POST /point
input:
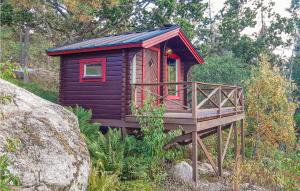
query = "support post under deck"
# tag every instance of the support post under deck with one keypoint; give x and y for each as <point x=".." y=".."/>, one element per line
<point x="219" y="148"/>
<point x="242" y="140"/>
<point x="195" y="156"/>
<point x="235" y="139"/>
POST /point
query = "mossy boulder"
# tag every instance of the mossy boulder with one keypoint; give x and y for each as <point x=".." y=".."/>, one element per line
<point x="43" y="141"/>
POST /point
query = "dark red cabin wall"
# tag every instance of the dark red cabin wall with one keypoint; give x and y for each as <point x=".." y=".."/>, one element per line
<point x="103" y="98"/>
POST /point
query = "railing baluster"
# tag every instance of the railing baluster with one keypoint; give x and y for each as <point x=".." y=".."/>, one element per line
<point x="236" y="99"/>
<point x="220" y="100"/>
<point x="194" y="101"/>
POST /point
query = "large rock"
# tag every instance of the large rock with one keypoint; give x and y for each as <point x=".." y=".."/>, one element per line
<point x="43" y="141"/>
<point x="184" y="171"/>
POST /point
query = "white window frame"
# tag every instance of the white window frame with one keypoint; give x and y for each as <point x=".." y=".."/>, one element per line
<point x="86" y="75"/>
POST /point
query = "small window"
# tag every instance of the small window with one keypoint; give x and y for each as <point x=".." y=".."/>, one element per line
<point x="93" y="70"/>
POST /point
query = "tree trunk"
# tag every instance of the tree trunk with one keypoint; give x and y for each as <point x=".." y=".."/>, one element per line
<point x="24" y="40"/>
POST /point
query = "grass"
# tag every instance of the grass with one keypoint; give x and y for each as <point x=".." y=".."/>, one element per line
<point x="37" y="89"/>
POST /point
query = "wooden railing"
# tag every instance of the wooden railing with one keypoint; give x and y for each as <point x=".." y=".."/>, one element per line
<point x="192" y="97"/>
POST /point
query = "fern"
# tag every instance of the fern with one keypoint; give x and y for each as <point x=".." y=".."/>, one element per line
<point x="100" y="180"/>
<point x="88" y="129"/>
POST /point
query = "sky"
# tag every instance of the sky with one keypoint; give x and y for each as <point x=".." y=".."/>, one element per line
<point x="280" y="7"/>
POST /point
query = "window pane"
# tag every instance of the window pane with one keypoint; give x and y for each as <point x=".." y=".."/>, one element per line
<point x="93" y="70"/>
<point x="172" y="76"/>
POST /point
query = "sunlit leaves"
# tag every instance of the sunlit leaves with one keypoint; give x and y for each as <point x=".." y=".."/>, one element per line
<point x="269" y="108"/>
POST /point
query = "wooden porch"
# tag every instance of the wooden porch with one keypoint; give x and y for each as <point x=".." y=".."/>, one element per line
<point x="199" y="110"/>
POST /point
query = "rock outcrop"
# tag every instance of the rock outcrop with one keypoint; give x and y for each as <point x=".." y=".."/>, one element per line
<point x="43" y="141"/>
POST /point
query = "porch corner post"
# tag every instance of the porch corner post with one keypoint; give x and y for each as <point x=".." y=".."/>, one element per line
<point x="236" y="149"/>
<point x="242" y="140"/>
<point x="194" y="101"/>
<point x="219" y="148"/>
<point x="195" y="156"/>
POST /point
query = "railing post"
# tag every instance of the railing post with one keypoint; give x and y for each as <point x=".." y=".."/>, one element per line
<point x="194" y="101"/>
<point x="220" y="100"/>
<point x="134" y="94"/>
<point x="236" y="100"/>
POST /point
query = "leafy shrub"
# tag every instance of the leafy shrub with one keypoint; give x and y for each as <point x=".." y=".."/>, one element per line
<point x="279" y="171"/>
<point x="100" y="180"/>
<point x="88" y="129"/>
<point x="109" y="149"/>
<point x="150" y="118"/>
<point x="138" y="185"/>
<point x="7" y="70"/>
<point x="7" y="179"/>
<point x="270" y="112"/>
<point x="135" y="161"/>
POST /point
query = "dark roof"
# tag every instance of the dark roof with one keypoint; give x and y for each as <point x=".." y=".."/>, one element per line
<point x="115" y="40"/>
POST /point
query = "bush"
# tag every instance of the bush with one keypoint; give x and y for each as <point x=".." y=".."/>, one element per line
<point x="138" y="185"/>
<point x="281" y="171"/>
<point x="7" y="70"/>
<point x="99" y="180"/>
<point x="7" y="179"/>
<point x="135" y="162"/>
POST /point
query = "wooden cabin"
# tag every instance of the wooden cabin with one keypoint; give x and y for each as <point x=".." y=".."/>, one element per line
<point x="110" y="73"/>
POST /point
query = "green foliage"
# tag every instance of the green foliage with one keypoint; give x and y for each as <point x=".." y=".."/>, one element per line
<point x="235" y="17"/>
<point x="221" y="69"/>
<point x="12" y="145"/>
<point x="109" y="149"/>
<point x="136" y="162"/>
<point x="138" y="185"/>
<point x="150" y="118"/>
<point x="6" y="98"/>
<point x="102" y="181"/>
<point x="7" y="179"/>
<point x="270" y="113"/>
<point x="88" y="129"/>
<point x="281" y="170"/>
<point x="7" y="70"/>
<point x="37" y="89"/>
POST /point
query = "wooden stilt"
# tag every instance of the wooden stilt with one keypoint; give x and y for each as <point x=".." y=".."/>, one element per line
<point x="208" y="156"/>
<point x="242" y="140"/>
<point x="227" y="142"/>
<point x="219" y="148"/>
<point x="195" y="156"/>
<point x="235" y="140"/>
<point x="124" y="132"/>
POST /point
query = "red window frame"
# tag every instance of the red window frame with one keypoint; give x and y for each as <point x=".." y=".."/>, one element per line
<point x="101" y="61"/>
<point x="178" y="60"/>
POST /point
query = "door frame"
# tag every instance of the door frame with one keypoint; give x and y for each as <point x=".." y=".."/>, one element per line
<point x="156" y="49"/>
<point x="178" y="74"/>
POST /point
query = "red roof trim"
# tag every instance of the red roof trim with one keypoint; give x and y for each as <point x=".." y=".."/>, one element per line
<point x="191" y="47"/>
<point x="94" y="49"/>
<point x="160" y="38"/>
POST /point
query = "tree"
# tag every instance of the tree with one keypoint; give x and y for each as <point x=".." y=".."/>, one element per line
<point x="269" y="111"/>
<point x="234" y="17"/>
<point x="221" y="69"/>
<point x="189" y="14"/>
